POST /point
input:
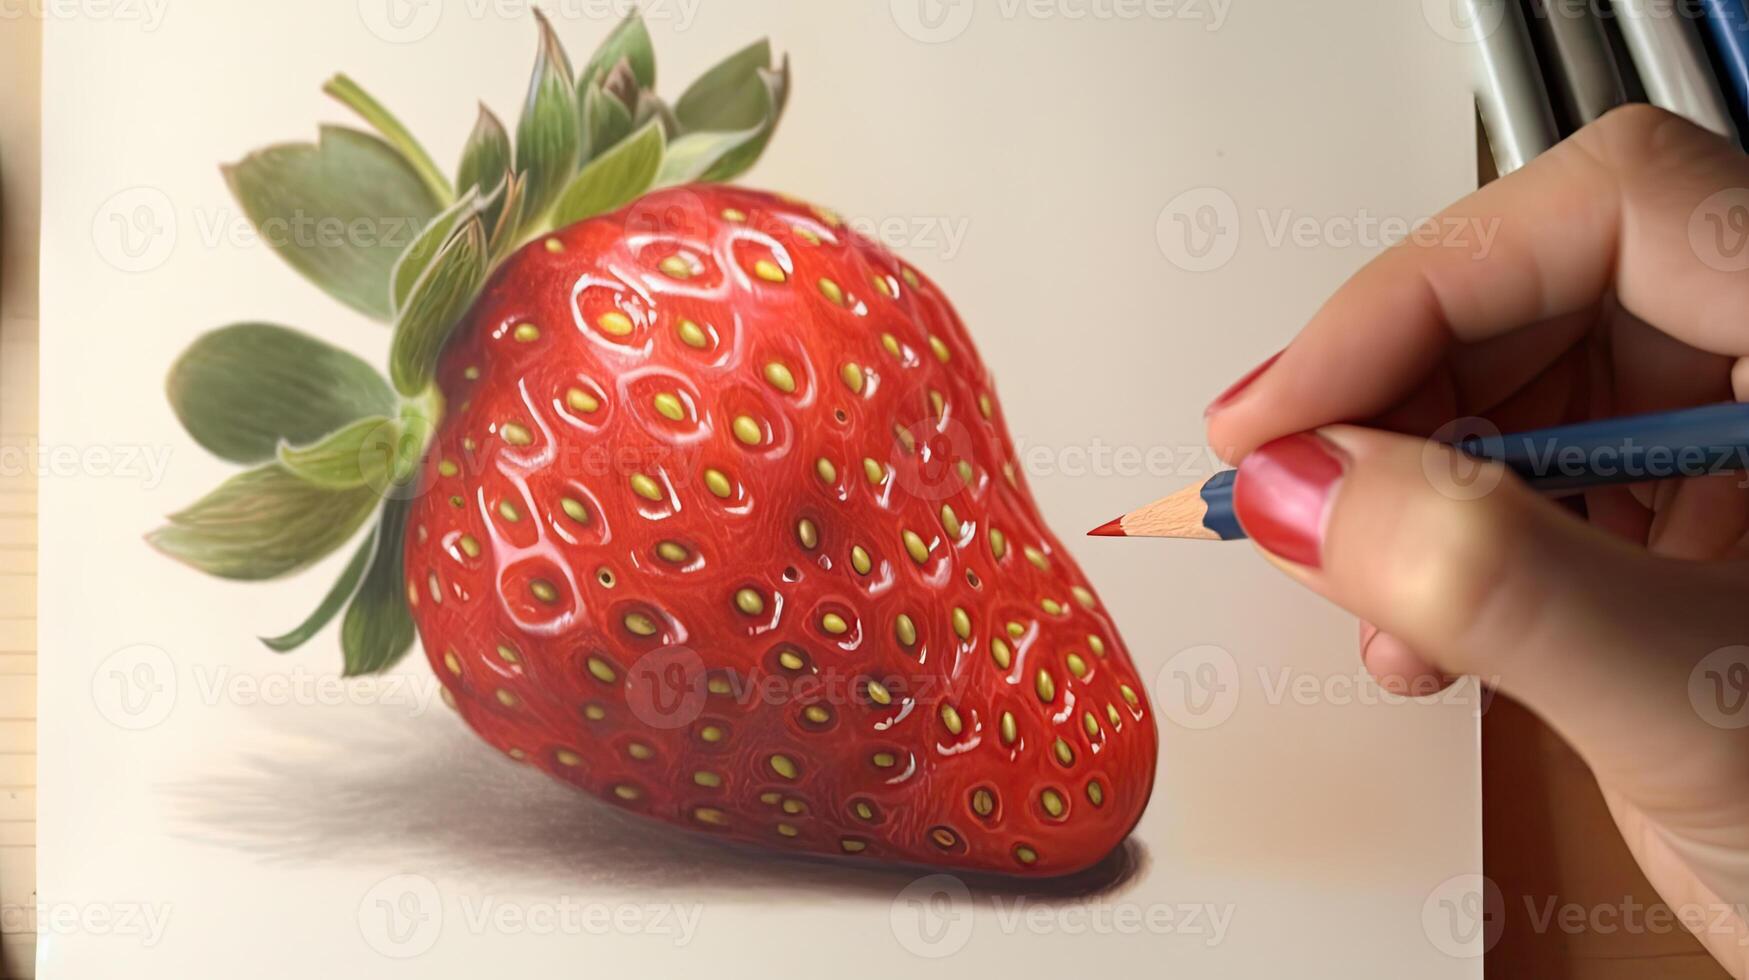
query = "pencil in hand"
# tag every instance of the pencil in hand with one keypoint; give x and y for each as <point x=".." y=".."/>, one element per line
<point x="1660" y="446"/>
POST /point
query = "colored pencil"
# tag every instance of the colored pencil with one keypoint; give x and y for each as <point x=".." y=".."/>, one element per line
<point x="1673" y="64"/>
<point x="1604" y="452"/>
<point x="1515" y="109"/>
<point x="1584" y="79"/>
<point x="1727" y="23"/>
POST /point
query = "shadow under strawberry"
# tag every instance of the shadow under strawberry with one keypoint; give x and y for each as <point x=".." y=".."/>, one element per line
<point x="375" y="787"/>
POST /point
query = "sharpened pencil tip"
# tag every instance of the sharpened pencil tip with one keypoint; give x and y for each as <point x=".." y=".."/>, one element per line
<point x="1110" y="529"/>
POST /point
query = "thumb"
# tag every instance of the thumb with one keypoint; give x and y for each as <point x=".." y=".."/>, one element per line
<point x="1483" y="576"/>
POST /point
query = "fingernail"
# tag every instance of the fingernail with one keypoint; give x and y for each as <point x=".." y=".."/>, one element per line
<point x="1283" y="494"/>
<point x="1231" y="394"/>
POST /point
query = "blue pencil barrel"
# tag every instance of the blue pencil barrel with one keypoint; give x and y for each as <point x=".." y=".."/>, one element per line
<point x="1688" y="443"/>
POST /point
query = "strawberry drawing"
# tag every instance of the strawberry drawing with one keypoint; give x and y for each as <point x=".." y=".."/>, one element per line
<point x="696" y="498"/>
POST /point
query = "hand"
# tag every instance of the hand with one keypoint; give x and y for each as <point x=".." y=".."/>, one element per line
<point x="1595" y="299"/>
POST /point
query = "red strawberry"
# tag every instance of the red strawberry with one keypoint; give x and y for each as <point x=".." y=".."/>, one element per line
<point x="722" y="524"/>
<point x="718" y="518"/>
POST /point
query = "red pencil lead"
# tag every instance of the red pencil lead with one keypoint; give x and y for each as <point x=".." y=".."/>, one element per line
<point x="1110" y="529"/>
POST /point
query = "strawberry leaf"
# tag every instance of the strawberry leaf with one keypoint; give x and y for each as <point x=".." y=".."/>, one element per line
<point x="615" y="178"/>
<point x="630" y="41"/>
<point x="504" y="234"/>
<point x="378" y="628"/>
<point x="351" y="95"/>
<point x="340" y="211"/>
<point x="485" y="158"/>
<point x="437" y="301"/>
<point x="417" y="258"/>
<point x="725" y="129"/>
<point x="263" y="523"/>
<point x="548" y="143"/>
<point x="243" y="389"/>
<point x="341" y="591"/>
<point x="363" y="454"/>
<point x="606" y="121"/>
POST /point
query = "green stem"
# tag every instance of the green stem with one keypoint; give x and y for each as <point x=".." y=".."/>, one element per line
<point x="420" y="416"/>
<point x="358" y="100"/>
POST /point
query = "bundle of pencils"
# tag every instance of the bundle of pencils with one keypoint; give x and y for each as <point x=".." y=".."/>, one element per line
<point x="1544" y="68"/>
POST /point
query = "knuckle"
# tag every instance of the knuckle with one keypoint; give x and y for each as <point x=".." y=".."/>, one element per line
<point x="1636" y="136"/>
<point x="1459" y="573"/>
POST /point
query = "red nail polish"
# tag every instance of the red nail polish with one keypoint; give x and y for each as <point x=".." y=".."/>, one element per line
<point x="1283" y="494"/>
<point x="1227" y="397"/>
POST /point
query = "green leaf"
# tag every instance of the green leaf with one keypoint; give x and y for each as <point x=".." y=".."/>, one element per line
<point x="485" y="160"/>
<point x="548" y="142"/>
<point x="615" y="178"/>
<point x="242" y="389"/>
<point x="486" y="157"/>
<point x="340" y="210"/>
<point x="378" y="628"/>
<point x="337" y="595"/>
<point x="263" y="523"/>
<point x="707" y="152"/>
<point x="363" y="454"/>
<point x="417" y="258"/>
<point x="729" y="95"/>
<point x="350" y="94"/>
<point x="605" y="121"/>
<point x="629" y="41"/>
<point x="505" y="234"/>
<point x="437" y="301"/>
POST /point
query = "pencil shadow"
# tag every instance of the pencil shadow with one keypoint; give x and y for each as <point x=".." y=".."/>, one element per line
<point x="344" y="785"/>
